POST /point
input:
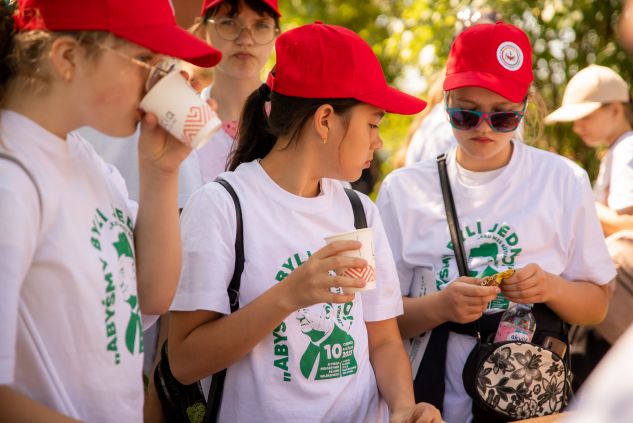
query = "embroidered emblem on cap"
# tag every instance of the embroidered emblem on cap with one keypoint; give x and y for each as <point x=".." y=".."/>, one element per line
<point x="510" y="56"/>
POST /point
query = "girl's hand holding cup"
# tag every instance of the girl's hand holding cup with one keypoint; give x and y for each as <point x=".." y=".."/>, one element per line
<point x="176" y="116"/>
<point x="312" y="282"/>
<point x="366" y="251"/>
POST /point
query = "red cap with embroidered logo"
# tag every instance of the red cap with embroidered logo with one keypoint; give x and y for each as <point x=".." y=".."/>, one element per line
<point x="497" y="57"/>
<point x="208" y="4"/>
<point x="328" y="61"/>
<point x="148" y="23"/>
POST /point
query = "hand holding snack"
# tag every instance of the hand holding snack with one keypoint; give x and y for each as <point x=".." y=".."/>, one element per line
<point x="464" y="300"/>
<point x="497" y="278"/>
<point x="528" y="285"/>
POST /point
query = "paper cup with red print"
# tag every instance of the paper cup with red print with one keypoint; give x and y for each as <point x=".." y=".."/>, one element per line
<point x="366" y="251"/>
<point x="180" y="110"/>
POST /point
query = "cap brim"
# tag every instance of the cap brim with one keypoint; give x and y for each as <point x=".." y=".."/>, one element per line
<point x="507" y="88"/>
<point x="393" y="101"/>
<point x="173" y="41"/>
<point x="572" y="112"/>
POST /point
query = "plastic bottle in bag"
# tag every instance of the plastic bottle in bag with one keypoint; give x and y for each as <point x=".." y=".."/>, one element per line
<point x="517" y="324"/>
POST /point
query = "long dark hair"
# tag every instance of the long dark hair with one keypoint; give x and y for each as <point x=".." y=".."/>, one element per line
<point x="258" y="132"/>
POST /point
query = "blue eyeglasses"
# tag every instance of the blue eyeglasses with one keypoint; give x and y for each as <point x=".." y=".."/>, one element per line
<point x="466" y="119"/>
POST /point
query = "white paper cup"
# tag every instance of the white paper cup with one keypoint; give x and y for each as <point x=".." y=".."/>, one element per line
<point x="366" y="251"/>
<point x="180" y="110"/>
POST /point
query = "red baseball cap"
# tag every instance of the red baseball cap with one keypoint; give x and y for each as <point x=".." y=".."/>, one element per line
<point x="328" y="61"/>
<point x="497" y="57"/>
<point x="148" y="23"/>
<point x="208" y="4"/>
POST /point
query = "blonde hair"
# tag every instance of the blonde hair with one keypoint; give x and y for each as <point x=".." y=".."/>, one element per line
<point x="23" y="55"/>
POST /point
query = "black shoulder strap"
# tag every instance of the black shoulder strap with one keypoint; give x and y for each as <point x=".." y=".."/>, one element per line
<point x="360" y="220"/>
<point x="234" y="285"/>
<point x="429" y="382"/>
<point x="6" y="156"/>
<point x="216" y="390"/>
<point x="451" y="217"/>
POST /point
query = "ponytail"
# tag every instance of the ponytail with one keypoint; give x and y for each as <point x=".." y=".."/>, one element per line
<point x="254" y="137"/>
<point x="258" y="131"/>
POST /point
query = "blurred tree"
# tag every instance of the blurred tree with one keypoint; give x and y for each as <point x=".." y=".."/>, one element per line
<point x="412" y="39"/>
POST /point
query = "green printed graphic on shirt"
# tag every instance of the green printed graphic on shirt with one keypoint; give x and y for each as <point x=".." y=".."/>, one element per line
<point x="123" y="247"/>
<point x="280" y="339"/>
<point x="490" y="251"/>
<point x="330" y="351"/>
<point x="113" y="233"/>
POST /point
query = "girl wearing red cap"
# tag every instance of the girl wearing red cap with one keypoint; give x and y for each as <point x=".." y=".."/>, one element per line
<point x="298" y="348"/>
<point x="519" y="208"/>
<point x="78" y="264"/>
<point x="244" y="31"/>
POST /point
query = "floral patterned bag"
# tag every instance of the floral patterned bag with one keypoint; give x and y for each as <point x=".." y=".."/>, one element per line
<point x="516" y="380"/>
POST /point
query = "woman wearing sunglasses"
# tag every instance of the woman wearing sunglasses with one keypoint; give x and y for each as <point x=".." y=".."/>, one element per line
<point x="78" y="264"/>
<point x="519" y="208"/>
<point x="244" y="31"/>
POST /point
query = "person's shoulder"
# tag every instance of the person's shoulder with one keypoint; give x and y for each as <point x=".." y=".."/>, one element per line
<point x="213" y="191"/>
<point x="419" y="174"/>
<point x="80" y="144"/>
<point x="423" y="168"/>
<point x="624" y="145"/>
<point x="549" y="162"/>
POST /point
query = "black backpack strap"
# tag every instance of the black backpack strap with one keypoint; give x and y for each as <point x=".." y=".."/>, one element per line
<point x="217" y="382"/>
<point x="360" y="220"/>
<point x="6" y="156"/>
<point x="234" y="286"/>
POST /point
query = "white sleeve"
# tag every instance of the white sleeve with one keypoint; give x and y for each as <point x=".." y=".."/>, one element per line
<point x="110" y="171"/>
<point x="19" y="223"/>
<point x="621" y="186"/>
<point x="208" y="240"/>
<point x="385" y="301"/>
<point x="394" y="232"/>
<point x="588" y="257"/>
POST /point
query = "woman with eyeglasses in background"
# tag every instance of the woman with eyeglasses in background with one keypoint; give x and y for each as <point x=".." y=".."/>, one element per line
<point x="78" y="264"/>
<point x="519" y="208"/>
<point x="244" y="31"/>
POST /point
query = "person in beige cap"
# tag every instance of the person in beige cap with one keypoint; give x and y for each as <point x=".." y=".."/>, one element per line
<point x="597" y="101"/>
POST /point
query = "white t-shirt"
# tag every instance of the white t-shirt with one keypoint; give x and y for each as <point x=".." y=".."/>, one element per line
<point x="614" y="184"/>
<point x="214" y="155"/>
<point x="606" y="396"/>
<point x="122" y="153"/>
<point x="538" y="209"/>
<point x="432" y="138"/>
<point x="69" y="315"/>
<point x="205" y="164"/>
<point x="286" y="377"/>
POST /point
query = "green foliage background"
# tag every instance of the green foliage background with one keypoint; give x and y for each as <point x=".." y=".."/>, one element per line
<point x="566" y="35"/>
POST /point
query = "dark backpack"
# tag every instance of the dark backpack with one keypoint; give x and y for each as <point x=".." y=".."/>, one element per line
<point x="186" y="403"/>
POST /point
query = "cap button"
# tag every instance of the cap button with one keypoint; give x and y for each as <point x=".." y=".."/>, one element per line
<point x="318" y="22"/>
